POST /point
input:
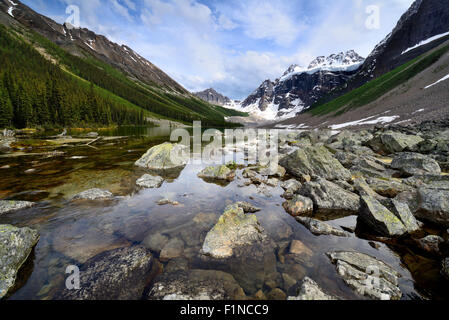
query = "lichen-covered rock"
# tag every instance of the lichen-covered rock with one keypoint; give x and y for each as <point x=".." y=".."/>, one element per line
<point x="402" y="211"/>
<point x="7" y="206"/>
<point x="433" y="205"/>
<point x="392" y="142"/>
<point x="367" y="275"/>
<point x="311" y="291"/>
<point x="149" y="181"/>
<point x="15" y="247"/>
<point x="233" y="229"/>
<point x="94" y="194"/>
<point x="165" y="158"/>
<point x="329" y="197"/>
<point x="120" y="274"/>
<point x="195" y="285"/>
<point x="319" y="228"/>
<point x="363" y="189"/>
<point x="314" y="162"/>
<point x="299" y="206"/>
<point x="415" y="164"/>
<point x="217" y="173"/>
<point x="379" y="219"/>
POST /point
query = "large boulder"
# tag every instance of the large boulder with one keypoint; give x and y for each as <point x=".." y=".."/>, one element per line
<point x="195" y="285"/>
<point x="311" y="291"/>
<point x="217" y="173"/>
<point x="233" y="229"/>
<point x="319" y="228"/>
<point x="392" y="142"/>
<point x="16" y="245"/>
<point x="314" y="162"/>
<point x="379" y="219"/>
<point x="415" y="164"/>
<point x="165" y="158"/>
<point x="433" y="205"/>
<point x="367" y="275"/>
<point x="329" y="197"/>
<point x="8" y="206"/>
<point x="120" y="274"/>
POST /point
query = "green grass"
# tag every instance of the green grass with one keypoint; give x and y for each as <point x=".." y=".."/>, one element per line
<point x="378" y="87"/>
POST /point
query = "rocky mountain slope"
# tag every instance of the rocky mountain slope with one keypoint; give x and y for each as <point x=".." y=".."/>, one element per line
<point x="213" y="97"/>
<point x="423" y="27"/>
<point x="82" y="42"/>
<point x="403" y="76"/>
<point x="415" y="92"/>
<point x="300" y="87"/>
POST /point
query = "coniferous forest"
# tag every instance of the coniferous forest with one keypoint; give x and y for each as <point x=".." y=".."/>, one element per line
<point x="36" y="92"/>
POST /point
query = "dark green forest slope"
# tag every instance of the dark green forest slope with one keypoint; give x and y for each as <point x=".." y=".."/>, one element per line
<point x="68" y="91"/>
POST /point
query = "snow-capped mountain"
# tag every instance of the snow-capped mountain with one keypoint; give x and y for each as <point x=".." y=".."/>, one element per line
<point x="299" y="87"/>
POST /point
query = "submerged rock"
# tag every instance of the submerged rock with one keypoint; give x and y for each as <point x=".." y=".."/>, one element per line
<point x="120" y="274"/>
<point x="217" y="173"/>
<point x="311" y="291"/>
<point x="313" y="162"/>
<point x="149" y="181"/>
<point x="15" y="247"/>
<point x="165" y="158"/>
<point x="379" y="219"/>
<point x="299" y="206"/>
<point x="392" y="142"/>
<point x="195" y="285"/>
<point x="319" y="228"/>
<point x="415" y="164"/>
<point x="367" y="275"/>
<point x="430" y="244"/>
<point x="7" y="206"/>
<point x="172" y="249"/>
<point x="329" y="197"/>
<point x="233" y="229"/>
<point x="94" y="194"/>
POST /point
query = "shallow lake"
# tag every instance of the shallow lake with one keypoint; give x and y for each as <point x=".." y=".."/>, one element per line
<point x="71" y="233"/>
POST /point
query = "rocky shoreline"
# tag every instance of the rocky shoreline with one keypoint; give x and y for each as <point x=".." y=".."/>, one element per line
<point x="393" y="179"/>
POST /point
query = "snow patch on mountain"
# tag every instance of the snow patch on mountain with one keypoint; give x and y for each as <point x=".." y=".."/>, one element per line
<point x="424" y="42"/>
<point x="342" y="62"/>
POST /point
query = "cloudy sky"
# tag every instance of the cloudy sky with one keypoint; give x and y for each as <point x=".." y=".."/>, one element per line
<point x="233" y="45"/>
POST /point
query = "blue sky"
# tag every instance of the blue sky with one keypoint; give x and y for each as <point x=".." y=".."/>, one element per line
<point x="232" y="45"/>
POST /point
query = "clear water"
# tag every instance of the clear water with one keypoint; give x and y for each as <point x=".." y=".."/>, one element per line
<point x="71" y="233"/>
